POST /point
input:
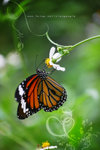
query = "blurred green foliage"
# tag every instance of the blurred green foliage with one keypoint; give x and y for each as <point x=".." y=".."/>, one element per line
<point x="77" y="123"/>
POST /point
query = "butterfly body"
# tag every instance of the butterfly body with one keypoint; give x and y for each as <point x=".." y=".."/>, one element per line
<point x="39" y="91"/>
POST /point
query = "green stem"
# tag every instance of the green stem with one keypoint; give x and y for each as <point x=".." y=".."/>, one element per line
<point x="51" y="40"/>
<point x="86" y="40"/>
<point x="70" y="47"/>
<point x="56" y="44"/>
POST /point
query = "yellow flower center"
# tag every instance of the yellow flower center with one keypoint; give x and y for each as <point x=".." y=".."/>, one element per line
<point x="45" y="144"/>
<point x="47" y="62"/>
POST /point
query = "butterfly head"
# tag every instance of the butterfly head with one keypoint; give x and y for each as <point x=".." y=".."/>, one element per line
<point x="42" y="73"/>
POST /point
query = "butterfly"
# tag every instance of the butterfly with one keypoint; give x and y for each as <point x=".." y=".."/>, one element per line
<point x="39" y="91"/>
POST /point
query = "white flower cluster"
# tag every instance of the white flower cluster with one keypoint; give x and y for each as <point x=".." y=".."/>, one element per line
<point x="54" y="56"/>
<point x="49" y="147"/>
<point x="13" y="59"/>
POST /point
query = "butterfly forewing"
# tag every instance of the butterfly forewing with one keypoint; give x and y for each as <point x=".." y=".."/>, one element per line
<point x="26" y="95"/>
<point x="22" y="87"/>
<point x="23" y="113"/>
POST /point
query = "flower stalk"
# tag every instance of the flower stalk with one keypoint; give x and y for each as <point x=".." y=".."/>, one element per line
<point x="62" y="51"/>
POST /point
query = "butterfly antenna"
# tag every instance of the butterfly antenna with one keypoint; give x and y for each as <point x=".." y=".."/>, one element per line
<point x="36" y="62"/>
<point x="52" y="71"/>
<point x="40" y="63"/>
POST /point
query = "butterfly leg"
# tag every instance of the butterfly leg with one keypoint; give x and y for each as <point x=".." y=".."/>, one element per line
<point x="52" y="71"/>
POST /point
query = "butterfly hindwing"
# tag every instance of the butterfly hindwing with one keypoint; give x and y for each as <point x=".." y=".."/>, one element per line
<point x="52" y="95"/>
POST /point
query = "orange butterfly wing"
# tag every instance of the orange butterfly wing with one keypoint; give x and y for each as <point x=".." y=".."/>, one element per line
<point x="51" y="94"/>
<point x="39" y="91"/>
<point x="26" y="95"/>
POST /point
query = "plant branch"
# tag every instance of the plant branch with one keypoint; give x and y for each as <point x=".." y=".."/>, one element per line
<point x="64" y="50"/>
<point x="56" y="44"/>
<point x="86" y="40"/>
<point x="70" y="47"/>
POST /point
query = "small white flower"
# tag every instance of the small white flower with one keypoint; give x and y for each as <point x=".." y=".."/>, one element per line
<point x="49" y="147"/>
<point x="14" y="59"/>
<point x="5" y="2"/>
<point x="3" y="68"/>
<point x="93" y="93"/>
<point x="46" y="145"/>
<point x="54" y="57"/>
<point x="2" y="61"/>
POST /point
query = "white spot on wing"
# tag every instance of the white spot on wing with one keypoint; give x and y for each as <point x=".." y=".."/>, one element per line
<point x="23" y="105"/>
<point x="21" y="91"/>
